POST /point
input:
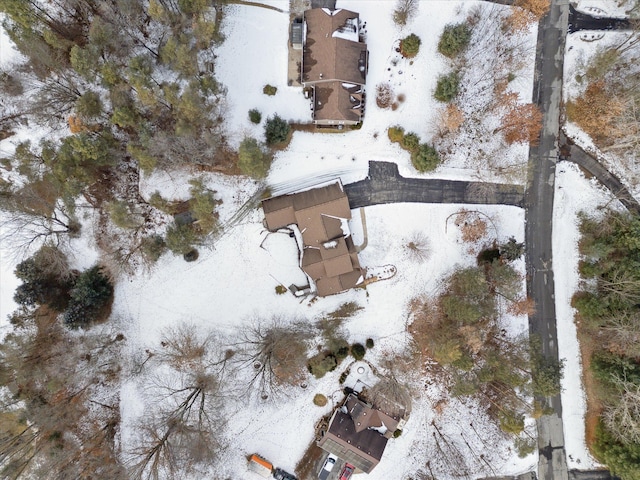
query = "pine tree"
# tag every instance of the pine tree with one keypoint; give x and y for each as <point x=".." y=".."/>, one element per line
<point x="276" y="130"/>
<point x="252" y="160"/>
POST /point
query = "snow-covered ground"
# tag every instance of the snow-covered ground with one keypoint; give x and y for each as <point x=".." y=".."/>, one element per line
<point x="234" y="280"/>
<point x="574" y="194"/>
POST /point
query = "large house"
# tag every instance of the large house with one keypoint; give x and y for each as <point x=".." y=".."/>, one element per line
<point x="320" y="217"/>
<point x="358" y="433"/>
<point x="334" y="65"/>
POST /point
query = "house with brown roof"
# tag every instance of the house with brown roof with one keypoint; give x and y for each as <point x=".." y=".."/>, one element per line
<point x="334" y="65"/>
<point x="358" y="433"/>
<point x="320" y="216"/>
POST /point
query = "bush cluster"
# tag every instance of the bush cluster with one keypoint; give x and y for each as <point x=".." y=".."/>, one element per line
<point x="358" y="351"/>
<point x="319" y="365"/>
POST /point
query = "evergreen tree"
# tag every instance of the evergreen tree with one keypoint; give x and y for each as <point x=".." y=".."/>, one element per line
<point x="91" y="293"/>
<point x="454" y="39"/>
<point x="276" y="130"/>
<point x="252" y="160"/>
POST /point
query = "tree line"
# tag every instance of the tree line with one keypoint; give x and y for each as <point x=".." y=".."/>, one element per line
<point x="608" y="305"/>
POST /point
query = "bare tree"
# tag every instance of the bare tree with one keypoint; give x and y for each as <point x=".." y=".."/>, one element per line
<point x="391" y="396"/>
<point x="405" y="10"/>
<point x="417" y="247"/>
<point x="179" y="432"/>
<point x="274" y="353"/>
<point x="61" y="404"/>
<point x="622" y="417"/>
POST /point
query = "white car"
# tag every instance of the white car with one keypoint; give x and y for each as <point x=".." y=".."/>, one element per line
<point x="329" y="463"/>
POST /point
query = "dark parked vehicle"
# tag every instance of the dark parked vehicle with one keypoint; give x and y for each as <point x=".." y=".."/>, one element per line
<point x="280" y="474"/>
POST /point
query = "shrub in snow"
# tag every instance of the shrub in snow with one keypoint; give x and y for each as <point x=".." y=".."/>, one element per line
<point x="447" y="87"/>
<point x="454" y="39"/>
<point x="276" y="130"/>
<point x="396" y="134"/>
<point x="269" y="90"/>
<point x="342" y="352"/>
<point x="384" y="95"/>
<point x="255" y="116"/>
<point x="397" y="433"/>
<point x="525" y="446"/>
<point x="322" y="363"/>
<point x="358" y="351"/>
<point x="252" y="160"/>
<point x="425" y="158"/>
<point x="191" y="256"/>
<point x="410" y="142"/>
<point x="511" y="250"/>
<point x="281" y="289"/>
<point x="90" y="295"/>
<point x="410" y="46"/>
<point x="369" y="343"/>
<point x="319" y="400"/>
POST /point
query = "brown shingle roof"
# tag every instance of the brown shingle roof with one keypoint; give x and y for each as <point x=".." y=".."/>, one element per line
<point x="334" y="102"/>
<point x="336" y="66"/>
<point x="327" y="57"/>
<point x="328" y="257"/>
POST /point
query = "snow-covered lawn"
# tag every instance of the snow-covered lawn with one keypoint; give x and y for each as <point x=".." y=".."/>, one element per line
<point x="233" y="281"/>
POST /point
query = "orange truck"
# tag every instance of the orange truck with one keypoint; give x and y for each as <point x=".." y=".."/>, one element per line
<point x="259" y="465"/>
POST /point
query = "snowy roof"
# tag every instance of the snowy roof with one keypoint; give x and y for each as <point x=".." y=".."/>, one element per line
<point x="355" y="433"/>
<point x="328" y="55"/>
<point x="328" y="256"/>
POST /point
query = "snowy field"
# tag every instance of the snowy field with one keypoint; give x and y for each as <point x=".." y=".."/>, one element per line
<point x="248" y="262"/>
<point x="234" y="280"/>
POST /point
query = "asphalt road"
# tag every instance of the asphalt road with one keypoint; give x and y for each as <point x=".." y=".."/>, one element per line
<point x="384" y="184"/>
<point x="547" y="94"/>
<point x="575" y="154"/>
